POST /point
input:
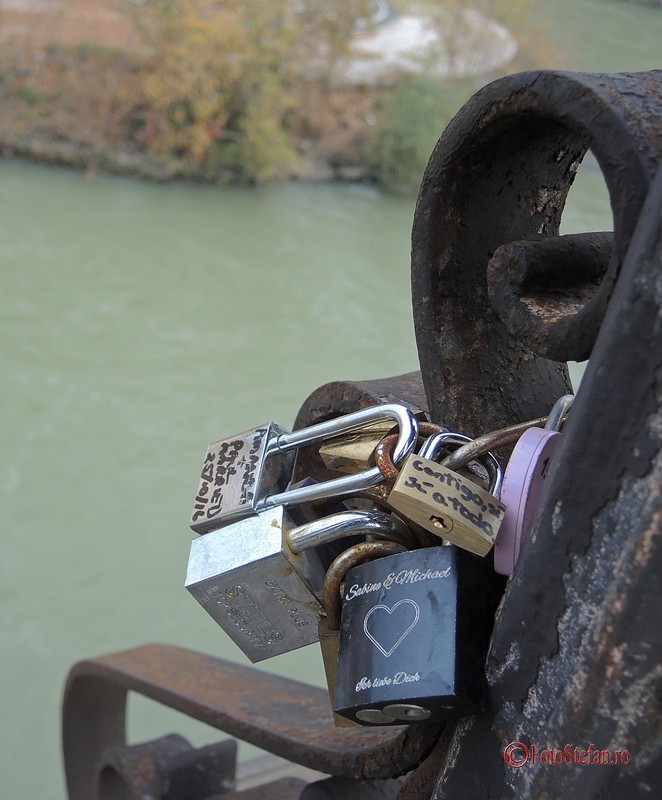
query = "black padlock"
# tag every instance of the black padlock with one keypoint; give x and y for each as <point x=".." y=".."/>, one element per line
<point x="413" y="638"/>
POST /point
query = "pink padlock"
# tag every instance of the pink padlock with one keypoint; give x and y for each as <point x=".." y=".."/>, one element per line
<point x="523" y="481"/>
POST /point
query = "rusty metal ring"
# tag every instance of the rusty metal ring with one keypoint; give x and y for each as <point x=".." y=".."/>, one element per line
<point x="427" y="429"/>
<point x="384" y="450"/>
<point x="384" y="461"/>
<point x="358" y="554"/>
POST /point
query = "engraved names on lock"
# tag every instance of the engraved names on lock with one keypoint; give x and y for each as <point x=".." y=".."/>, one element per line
<point x="447" y="504"/>
<point x="423" y="662"/>
<point x="224" y="460"/>
<point x="398" y="627"/>
<point x="243" y="577"/>
<point x="236" y="474"/>
<point x="400" y="578"/>
<point x="251" y="621"/>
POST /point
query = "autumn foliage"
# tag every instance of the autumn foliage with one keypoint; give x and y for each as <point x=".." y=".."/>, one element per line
<point x="219" y="90"/>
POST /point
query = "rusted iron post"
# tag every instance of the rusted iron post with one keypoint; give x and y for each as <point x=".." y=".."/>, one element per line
<point x="500" y="174"/>
<point x="577" y="646"/>
<point x="576" y="655"/>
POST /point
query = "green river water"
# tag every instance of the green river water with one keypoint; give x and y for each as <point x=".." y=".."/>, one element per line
<point x="140" y="322"/>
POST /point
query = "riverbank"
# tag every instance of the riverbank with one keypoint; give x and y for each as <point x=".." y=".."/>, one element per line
<point x="337" y="156"/>
<point x="83" y="90"/>
<point x="104" y="86"/>
<point x="334" y="153"/>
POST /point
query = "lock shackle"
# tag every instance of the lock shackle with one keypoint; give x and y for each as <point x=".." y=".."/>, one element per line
<point x="349" y="523"/>
<point x="385" y="449"/>
<point x="510" y="434"/>
<point x="346" y="485"/>
<point x="435" y="444"/>
<point x="558" y="413"/>
<point x="352" y="557"/>
<point x="489" y="441"/>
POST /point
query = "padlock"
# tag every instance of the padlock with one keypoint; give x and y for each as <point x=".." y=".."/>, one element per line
<point x="261" y="579"/>
<point x="354" y="451"/>
<point x="248" y="473"/>
<point x="351" y="453"/>
<point x="329" y="622"/>
<point x="413" y="638"/>
<point x="523" y="482"/>
<point x="238" y="471"/>
<point x="446" y="503"/>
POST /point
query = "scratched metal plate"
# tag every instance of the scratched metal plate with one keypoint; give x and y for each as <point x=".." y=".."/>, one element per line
<point x="236" y="474"/>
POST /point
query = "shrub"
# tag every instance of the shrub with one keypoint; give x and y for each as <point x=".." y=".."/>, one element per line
<point x="409" y="123"/>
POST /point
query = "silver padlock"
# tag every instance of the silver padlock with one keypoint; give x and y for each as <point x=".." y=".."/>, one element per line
<point x="261" y="579"/>
<point x="248" y="473"/>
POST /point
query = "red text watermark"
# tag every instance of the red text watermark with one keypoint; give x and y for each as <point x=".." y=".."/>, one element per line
<point x="518" y="755"/>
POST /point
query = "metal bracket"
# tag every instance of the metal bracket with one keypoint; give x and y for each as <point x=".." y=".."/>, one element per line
<point x="285" y="717"/>
<point x="496" y="305"/>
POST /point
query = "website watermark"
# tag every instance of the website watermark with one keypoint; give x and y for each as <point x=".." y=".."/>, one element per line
<point x="518" y="755"/>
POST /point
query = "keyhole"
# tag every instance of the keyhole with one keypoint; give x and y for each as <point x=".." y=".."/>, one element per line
<point x="440" y="522"/>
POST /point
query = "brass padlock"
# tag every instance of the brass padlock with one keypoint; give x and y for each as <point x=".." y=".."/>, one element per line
<point x="329" y="623"/>
<point x="355" y="451"/>
<point x="446" y="503"/>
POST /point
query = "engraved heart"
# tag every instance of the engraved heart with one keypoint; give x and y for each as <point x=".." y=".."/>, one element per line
<point x="388" y="631"/>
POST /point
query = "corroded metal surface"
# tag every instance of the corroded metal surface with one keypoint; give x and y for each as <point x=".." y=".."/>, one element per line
<point x="499" y="174"/>
<point x="342" y="397"/>
<point x="282" y="789"/>
<point x="287" y="718"/>
<point x="166" y="769"/>
<point x="538" y="288"/>
<point x="576" y="651"/>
